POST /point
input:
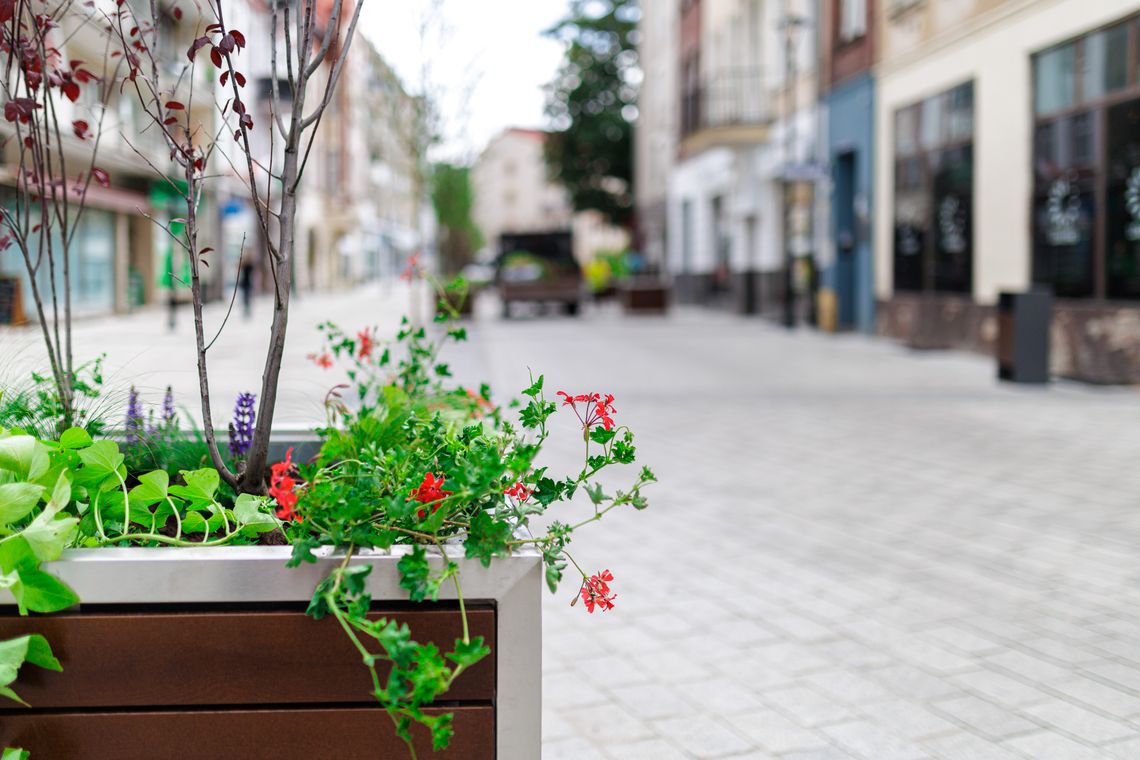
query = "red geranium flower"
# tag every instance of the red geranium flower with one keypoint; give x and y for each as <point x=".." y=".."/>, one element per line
<point x="596" y="408"/>
<point x="322" y="360"/>
<point x="412" y="268"/>
<point x="281" y="485"/>
<point x="429" y="491"/>
<point x="518" y="492"/>
<point x="596" y="592"/>
<point x="366" y="343"/>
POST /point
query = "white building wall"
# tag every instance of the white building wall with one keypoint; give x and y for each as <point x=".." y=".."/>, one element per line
<point x="996" y="56"/>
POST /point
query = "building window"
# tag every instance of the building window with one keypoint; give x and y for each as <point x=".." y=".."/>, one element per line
<point x="934" y="193"/>
<point x="852" y="19"/>
<point x="1086" y="148"/>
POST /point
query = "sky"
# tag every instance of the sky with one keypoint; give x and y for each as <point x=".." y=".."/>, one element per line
<point x="487" y="59"/>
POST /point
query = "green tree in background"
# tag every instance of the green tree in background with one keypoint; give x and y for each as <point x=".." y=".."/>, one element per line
<point x="592" y="106"/>
<point x="453" y="199"/>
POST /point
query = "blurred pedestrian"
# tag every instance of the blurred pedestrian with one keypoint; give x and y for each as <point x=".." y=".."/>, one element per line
<point x="245" y="282"/>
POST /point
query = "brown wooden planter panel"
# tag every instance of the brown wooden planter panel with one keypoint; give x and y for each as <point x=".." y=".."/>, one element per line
<point x="301" y="734"/>
<point x="222" y="658"/>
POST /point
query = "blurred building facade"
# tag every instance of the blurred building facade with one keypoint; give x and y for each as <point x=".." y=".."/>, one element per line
<point x="1008" y="154"/>
<point x="358" y="217"/>
<point x="847" y="94"/>
<point x="514" y="194"/>
<point x="729" y="128"/>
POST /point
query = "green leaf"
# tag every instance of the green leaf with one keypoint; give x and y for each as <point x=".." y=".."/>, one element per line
<point x="468" y="653"/>
<point x="24" y="456"/>
<point x="40" y="592"/>
<point x="49" y="532"/>
<point x="32" y="648"/>
<point x="252" y="512"/>
<point x="201" y="486"/>
<point x="74" y="438"/>
<point x="535" y="388"/>
<point x="415" y="574"/>
<point x="17" y="500"/>
<point x="601" y="435"/>
<point x="13" y="753"/>
<point x="487" y="538"/>
<point x="102" y="456"/>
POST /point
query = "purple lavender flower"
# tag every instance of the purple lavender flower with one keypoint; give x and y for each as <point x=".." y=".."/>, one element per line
<point x="241" y="429"/>
<point x="168" y="415"/>
<point x="134" y="426"/>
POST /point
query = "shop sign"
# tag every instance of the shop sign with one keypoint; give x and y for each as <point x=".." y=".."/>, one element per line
<point x="1063" y="214"/>
<point x="1132" y="205"/>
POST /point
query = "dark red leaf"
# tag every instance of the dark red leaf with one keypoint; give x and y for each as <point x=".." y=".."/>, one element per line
<point x="36" y="228"/>
<point x="174" y="105"/>
<point x="216" y="56"/>
<point x="197" y="45"/>
<point x="177" y="13"/>
<point x="227" y="43"/>
<point x="170" y="120"/>
<point x="71" y="90"/>
<point x="29" y="143"/>
<point x="7" y="10"/>
<point x="239" y="38"/>
<point x="239" y="78"/>
<point x="213" y="28"/>
<point x="80" y="128"/>
<point x="101" y="176"/>
<point x="204" y="251"/>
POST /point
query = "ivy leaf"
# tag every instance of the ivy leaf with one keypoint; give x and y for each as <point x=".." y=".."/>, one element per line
<point x="49" y="533"/>
<point x="547" y="491"/>
<point x="17" y="500"/>
<point x="250" y="512"/>
<point x="14" y="653"/>
<point x="535" y="413"/>
<point x="596" y="494"/>
<point x="23" y="456"/>
<point x="201" y="485"/>
<point x="467" y="653"/>
<point x="74" y="438"/>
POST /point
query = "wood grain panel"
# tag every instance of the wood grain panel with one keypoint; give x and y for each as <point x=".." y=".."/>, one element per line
<point x="222" y="658"/>
<point x="300" y="734"/>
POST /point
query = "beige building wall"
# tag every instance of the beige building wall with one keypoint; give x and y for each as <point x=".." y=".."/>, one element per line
<point x="512" y="190"/>
<point x="937" y="44"/>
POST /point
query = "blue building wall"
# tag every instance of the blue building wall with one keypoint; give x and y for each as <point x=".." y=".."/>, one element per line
<point x="851" y="134"/>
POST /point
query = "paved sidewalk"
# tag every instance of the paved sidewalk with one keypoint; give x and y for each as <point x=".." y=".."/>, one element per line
<point x="855" y="551"/>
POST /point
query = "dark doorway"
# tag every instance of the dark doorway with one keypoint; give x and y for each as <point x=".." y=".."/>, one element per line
<point x="845" y="240"/>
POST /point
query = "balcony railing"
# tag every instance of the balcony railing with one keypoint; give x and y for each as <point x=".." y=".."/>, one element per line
<point x="734" y="98"/>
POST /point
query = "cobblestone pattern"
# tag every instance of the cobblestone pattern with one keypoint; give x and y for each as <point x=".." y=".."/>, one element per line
<point x="855" y="552"/>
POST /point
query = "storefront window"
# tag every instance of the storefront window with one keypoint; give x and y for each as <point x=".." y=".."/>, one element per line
<point x="933" y="245"/>
<point x="1086" y="200"/>
<point x="1122" y="217"/>
<point x="1055" y="88"/>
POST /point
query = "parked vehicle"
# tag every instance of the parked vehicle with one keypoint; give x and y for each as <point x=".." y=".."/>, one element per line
<point x="539" y="268"/>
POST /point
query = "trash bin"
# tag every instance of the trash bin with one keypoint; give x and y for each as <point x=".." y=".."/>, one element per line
<point x="1024" y="320"/>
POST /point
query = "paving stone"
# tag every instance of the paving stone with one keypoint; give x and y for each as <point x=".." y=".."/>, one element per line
<point x="1085" y="725"/>
<point x="607" y="723"/>
<point x="966" y="746"/>
<point x="806" y="706"/>
<point x="652" y="749"/>
<point x="1101" y="696"/>
<point x="999" y="687"/>
<point x="703" y="736"/>
<point x="775" y="733"/>
<point x="985" y="717"/>
<point x="869" y="740"/>
<point x="654" y="700"/>
<point x="1048" y="745"/>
